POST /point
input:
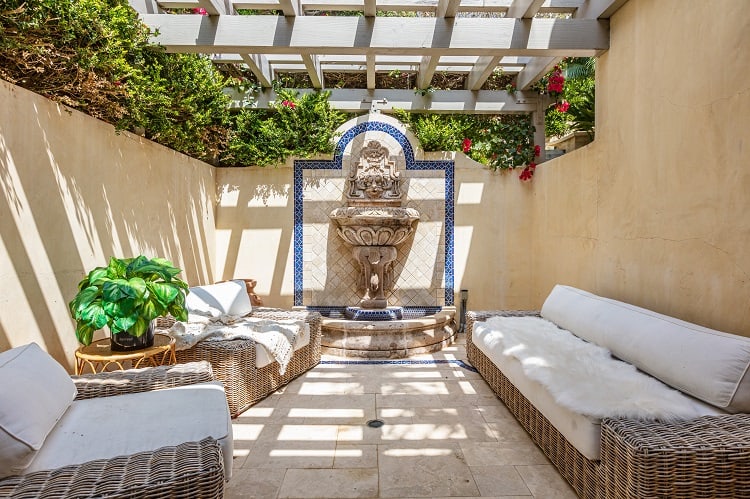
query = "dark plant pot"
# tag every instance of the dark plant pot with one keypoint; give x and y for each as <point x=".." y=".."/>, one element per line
<point x="125" y="342"/>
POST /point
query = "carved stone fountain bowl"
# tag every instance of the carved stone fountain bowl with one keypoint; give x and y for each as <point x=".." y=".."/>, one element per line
<point x="374" y="226"/>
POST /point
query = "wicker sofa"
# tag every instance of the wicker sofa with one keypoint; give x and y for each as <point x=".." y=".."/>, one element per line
<point x="98" y="435"/>
<point x="246" y="370"/>
<point x="706" y="456"/>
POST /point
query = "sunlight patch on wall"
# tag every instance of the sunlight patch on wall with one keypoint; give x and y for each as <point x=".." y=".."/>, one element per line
<point x="257" y="255"/>
<point x="462" y="236"/>
<point x="470" y="193"/>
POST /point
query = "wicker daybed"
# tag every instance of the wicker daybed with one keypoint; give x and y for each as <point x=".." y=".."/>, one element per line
<point x="234" y="361"/>
<point x="188" y="470"/>
<point x="707" y="457"/>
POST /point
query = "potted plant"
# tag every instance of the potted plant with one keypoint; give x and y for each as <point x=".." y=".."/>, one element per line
<point x="127" y="295"/>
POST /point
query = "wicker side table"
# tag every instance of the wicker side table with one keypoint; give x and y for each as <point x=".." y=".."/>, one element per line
<point x="99" y="357"/>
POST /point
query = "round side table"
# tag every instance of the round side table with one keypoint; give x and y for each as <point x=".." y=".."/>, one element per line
<point x="99" y="357"/>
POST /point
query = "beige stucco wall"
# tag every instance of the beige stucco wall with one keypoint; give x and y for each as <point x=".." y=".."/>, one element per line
<point x="656" y="211"/>
<point x="73" y="193"/>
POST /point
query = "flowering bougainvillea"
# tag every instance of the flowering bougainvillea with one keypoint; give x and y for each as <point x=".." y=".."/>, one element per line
<point x="562" y="106"/>
<point x="288" y="103"/>
<point x="556" y="82"/>
<point x="201" y="11"/>
<point x="466" y="145"/>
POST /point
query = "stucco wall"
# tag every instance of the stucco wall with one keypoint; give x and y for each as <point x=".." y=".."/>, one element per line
<point x="73" y="194"/>
<point x="656" y="211"/>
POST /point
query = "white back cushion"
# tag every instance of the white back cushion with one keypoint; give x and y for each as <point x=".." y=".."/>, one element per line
<point x="35" y="391"/>
<point x="224" y="298"/>
<point x="707" y="364"/>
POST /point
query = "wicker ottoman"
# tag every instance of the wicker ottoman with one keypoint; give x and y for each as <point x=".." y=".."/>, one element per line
<point x="233" y="361"/>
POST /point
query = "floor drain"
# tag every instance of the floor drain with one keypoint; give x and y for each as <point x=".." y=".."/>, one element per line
<point x="375" y="423"/>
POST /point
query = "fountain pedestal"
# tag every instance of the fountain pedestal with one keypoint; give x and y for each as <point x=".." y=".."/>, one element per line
<point x="376" y="264"/>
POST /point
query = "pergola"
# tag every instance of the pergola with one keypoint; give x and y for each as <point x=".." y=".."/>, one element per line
<point x="467" y="37"/>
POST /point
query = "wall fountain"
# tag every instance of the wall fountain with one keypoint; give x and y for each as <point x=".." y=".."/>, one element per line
<point x="374" y="224"/>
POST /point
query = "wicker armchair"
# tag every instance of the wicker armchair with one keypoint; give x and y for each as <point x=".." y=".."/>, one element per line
<point x="187" y="470"/>
<point x="708" y="457"/>
<point x="234" y="361"/>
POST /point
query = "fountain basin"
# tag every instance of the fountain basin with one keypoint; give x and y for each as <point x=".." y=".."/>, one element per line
<point x="396" y="339"/>
<point x="374" y="226"/>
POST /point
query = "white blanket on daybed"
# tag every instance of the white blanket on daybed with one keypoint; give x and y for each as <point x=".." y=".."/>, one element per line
<point x="582" y="376"/>
<point x="277" y="337"/>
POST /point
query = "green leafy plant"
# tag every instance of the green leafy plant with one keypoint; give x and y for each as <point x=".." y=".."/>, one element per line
<point x="127" y="295"/>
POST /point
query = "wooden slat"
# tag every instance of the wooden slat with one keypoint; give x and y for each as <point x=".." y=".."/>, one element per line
<point x="145" y="6"/>
<point x="427" y="68"/>
<point x="534" y="70"/>
<point x="524" y="8"/>
<point x="384" y="35"/>
<point x="261" y="68"/>
<point x="313" y="69"/>
<point x="481" y="71"/>
<point x="371" y="71"/>
<point x="370" y="9"/>
<point x="447" y="8"/>
<point x="290" y="8"/>
<point x="595" y="9"/>
<point x="440" y="101"/>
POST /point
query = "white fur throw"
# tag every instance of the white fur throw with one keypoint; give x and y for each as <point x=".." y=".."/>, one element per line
<point x="582" y="376"/>
<point x="277" y="337"/>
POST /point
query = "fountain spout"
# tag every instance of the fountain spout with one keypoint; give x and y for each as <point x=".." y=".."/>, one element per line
<point x="374" y="222"/>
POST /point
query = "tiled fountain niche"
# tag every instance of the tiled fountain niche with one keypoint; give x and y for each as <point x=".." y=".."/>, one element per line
<point x="326" y="273"/>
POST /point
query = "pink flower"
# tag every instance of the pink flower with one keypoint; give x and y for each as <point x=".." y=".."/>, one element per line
<point x="288" y="103"/>
<point x="563" y="106"/>
<point x="200" y="10"/>
<point x="466" y="145"/>
<point x="556" y="81"/>
<point x="537" y="151"/>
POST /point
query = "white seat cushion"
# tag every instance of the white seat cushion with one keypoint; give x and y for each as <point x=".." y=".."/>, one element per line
<point x="106" y="427"/>
<point x="224" y="298"/>
<point x="35" y="392"/>
<point x="709" y="365"/>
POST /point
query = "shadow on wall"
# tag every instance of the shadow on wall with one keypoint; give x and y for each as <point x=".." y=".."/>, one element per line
<point x="255" y="231"/>
<point x="73" y="194"/>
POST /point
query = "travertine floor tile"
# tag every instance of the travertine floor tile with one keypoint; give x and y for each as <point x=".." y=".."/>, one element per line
<point x="499" y="481"/>
<point x="291" y="455"/>
<point x="330" y="483"/>
<point x="355" y="456"/>
<point x="249" y="483"/>
<point x="502" y="454"/>
<point x="431" y="470"/>
<point x="545" y="483"/>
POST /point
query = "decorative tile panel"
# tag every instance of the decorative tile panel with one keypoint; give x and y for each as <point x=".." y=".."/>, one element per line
<point x="326" y="272"/>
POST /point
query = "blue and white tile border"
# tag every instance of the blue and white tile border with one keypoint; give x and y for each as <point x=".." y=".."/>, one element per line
<point x="447" y="166"/>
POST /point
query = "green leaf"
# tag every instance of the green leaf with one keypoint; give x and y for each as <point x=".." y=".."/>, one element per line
<point x="96" y="276"/>
<point x="84" y="333"/>
<point x="83" y="299"/>
<point x="124" y="324"/>
<point x="118" y="289"/>
<point x="166" y="293"/>
<point x="94" y="315"/>
<point x="140" y="327"/>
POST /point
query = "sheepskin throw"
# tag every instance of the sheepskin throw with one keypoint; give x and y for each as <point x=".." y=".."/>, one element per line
<point x="582" y="376"/>
<point x="277" y="337"/>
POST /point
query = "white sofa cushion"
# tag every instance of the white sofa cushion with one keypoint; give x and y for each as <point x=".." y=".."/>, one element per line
<point x="35" y="392"/>
<point x="523" y="363"/>
<point x="145" y="421"/>
<point x="707" y="364"/>
<point x="224" y="298"/>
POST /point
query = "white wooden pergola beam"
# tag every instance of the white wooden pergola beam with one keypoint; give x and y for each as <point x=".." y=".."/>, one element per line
<point x="422" y="5"/>
<point x="145" y="6"/>
<point x="447" y="8"/>
<point x="481" y="71"/>
<point x="370" y="8"/>
<point x="440" y="101"/>
<point x="261" y="68"/>
<point x="290" y="7"/>
<point x="213" y="7"/>
<point x="594" y="9"/>
<point x="524" y="8"/>
<point x="427" y="67"/>
<point x="535" y="69"/>
<point x="313" y="69"/>
<point x="371" y="66"/>
<point x="384" y="35"/>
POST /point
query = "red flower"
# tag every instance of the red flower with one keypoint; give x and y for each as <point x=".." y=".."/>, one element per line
<point x="466" y="145"/>
<point x="556" y="81"/>
<point x="288" y="103"/>
<point x="200" y="10"/>
<point x="537" y="151"/>
<point x="527" y="172"/>
<point x="563" y="106"/>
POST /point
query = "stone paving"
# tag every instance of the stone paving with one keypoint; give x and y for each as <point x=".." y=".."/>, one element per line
<point x="445" y="435"/>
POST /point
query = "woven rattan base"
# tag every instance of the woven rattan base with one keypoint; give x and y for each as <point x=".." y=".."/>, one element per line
<point x="233" y="361"/>
<point x="708" y="457"/>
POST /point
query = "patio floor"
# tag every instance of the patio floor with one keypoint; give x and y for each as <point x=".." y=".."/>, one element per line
<point x="445" y="435"/>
